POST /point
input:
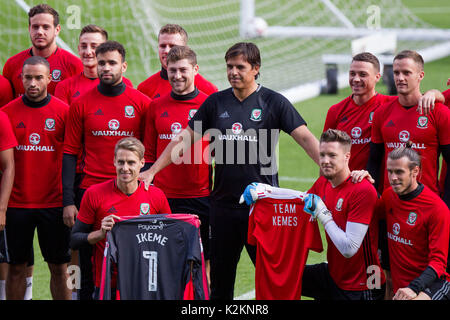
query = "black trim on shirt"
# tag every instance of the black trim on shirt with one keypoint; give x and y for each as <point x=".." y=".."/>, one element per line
<point x="185" y="97"/>
<point x="164" y="74"/>
<point x="413" y="194"/>
<point x="111" y="91"/>
<point x="38" y="104"/>
<point x="54" y="52"/>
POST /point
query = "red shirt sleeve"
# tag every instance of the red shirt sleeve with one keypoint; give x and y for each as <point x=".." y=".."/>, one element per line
<point x="74" y="130"/>
<point x="162" y="203"/>
<point x="6" y="92"/>
<point x="438" y="238"/>
<point x="7" y="138"/>
<point x="204" y="85"/>
<point x="362" y="204"/>
<point x="443" y="117"/>
<point x="62" y="91"/>
<point x="331" y="119"/>
<point x="150" y="134"/>
<point x="446" y="94"/>
<point x="88" y="207"/>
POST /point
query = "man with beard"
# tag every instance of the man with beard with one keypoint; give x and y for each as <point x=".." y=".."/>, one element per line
<point x="158" y="84"/>
<point x="43" y="27"/>
<point x="97" y="120"/>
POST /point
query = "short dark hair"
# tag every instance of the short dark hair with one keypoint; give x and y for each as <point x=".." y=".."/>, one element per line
<point x="174" y="29"/>
<point x="411" y="54"/>
<point x="406" y="151"/>
<point x="109" y="46"/>
<point x="44" y="8"/>
<point x="334" y="135"/>
<point x="34" y="60"/>
<point x="177" y="53"/>
<point x="92" y="28"/>
<point x="248" y="50"/>
<point x="368" y="57"/>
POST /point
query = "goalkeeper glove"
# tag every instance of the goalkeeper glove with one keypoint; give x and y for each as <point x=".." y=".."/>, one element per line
<point x="315" y="207"/>
<point x="251" y="192"/>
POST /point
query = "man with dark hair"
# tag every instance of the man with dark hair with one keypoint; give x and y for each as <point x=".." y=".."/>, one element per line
<point x="157" y="85"/>
<point x="38" y="121"/>
<point x="354" y="114"/>
<point x="397" y="122"/>
<point x="345" y="209"/>
<point x="108" y="201"/>
<point x="418" y="227"/>
<point x="97" y="120"/>
<point x="166" y="117"/>
<point x="91" y="36"/>
<point x="43" y="28"/>
<point x="244" y="122"/>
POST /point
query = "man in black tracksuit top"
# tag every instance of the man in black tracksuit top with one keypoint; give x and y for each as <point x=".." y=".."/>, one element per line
<point x="243" y="123"/>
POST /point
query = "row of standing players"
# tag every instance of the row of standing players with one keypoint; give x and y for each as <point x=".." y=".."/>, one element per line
<point x="92" y="127"/>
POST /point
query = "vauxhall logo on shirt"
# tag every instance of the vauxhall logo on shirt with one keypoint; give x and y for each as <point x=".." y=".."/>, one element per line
<point x="395" y="235"/>
<point x="34" y="140"/>
<point x="113" y="126"/>
<point x="176" y="128"/>
<point x="404" y="136"/>
<point x="238" y="134"/>
<point x="356" y="133"/>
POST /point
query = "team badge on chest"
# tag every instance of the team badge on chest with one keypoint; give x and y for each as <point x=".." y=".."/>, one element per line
<point x="412" y="218"/>
<point x="49" y="124"/>
<point x="191" y="113"/>
<point x="145" y="209"/>
<point x="422" y="122"/>
<point x="256" y="114"/>
<point x="56" y="75"/>
<point x="129" y="112"/>
<point x="339" y="204"/>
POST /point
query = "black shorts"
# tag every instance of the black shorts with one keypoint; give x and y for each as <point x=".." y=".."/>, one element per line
<point x="439" y="290"/>
<point x="53" y="234"/>
<point x="3" y="250"/>
<point x="318" y="284"/>
<point x="200" y="207"/>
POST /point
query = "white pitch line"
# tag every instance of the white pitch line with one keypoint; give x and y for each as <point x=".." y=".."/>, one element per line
<point x="296" y="179"/>
<point x="246" y="296"/>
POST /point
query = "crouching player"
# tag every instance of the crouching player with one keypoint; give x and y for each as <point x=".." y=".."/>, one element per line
<point x="108" y="201"/>
<point x="418" y="224"/>
<point x="345" y="209"/>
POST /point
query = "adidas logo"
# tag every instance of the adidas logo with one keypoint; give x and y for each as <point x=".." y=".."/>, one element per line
<point x="157" y="96"/>
<point x="224" y="115"/>
<point x="390" y="124"/>
<point x="165" y="114"/>
<point x="99" y="112"/>
<point x="21" y="125"/>
<point x="76" y="94"/>
<point x="112" y="210"/>
<point x="344" y="118"/>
